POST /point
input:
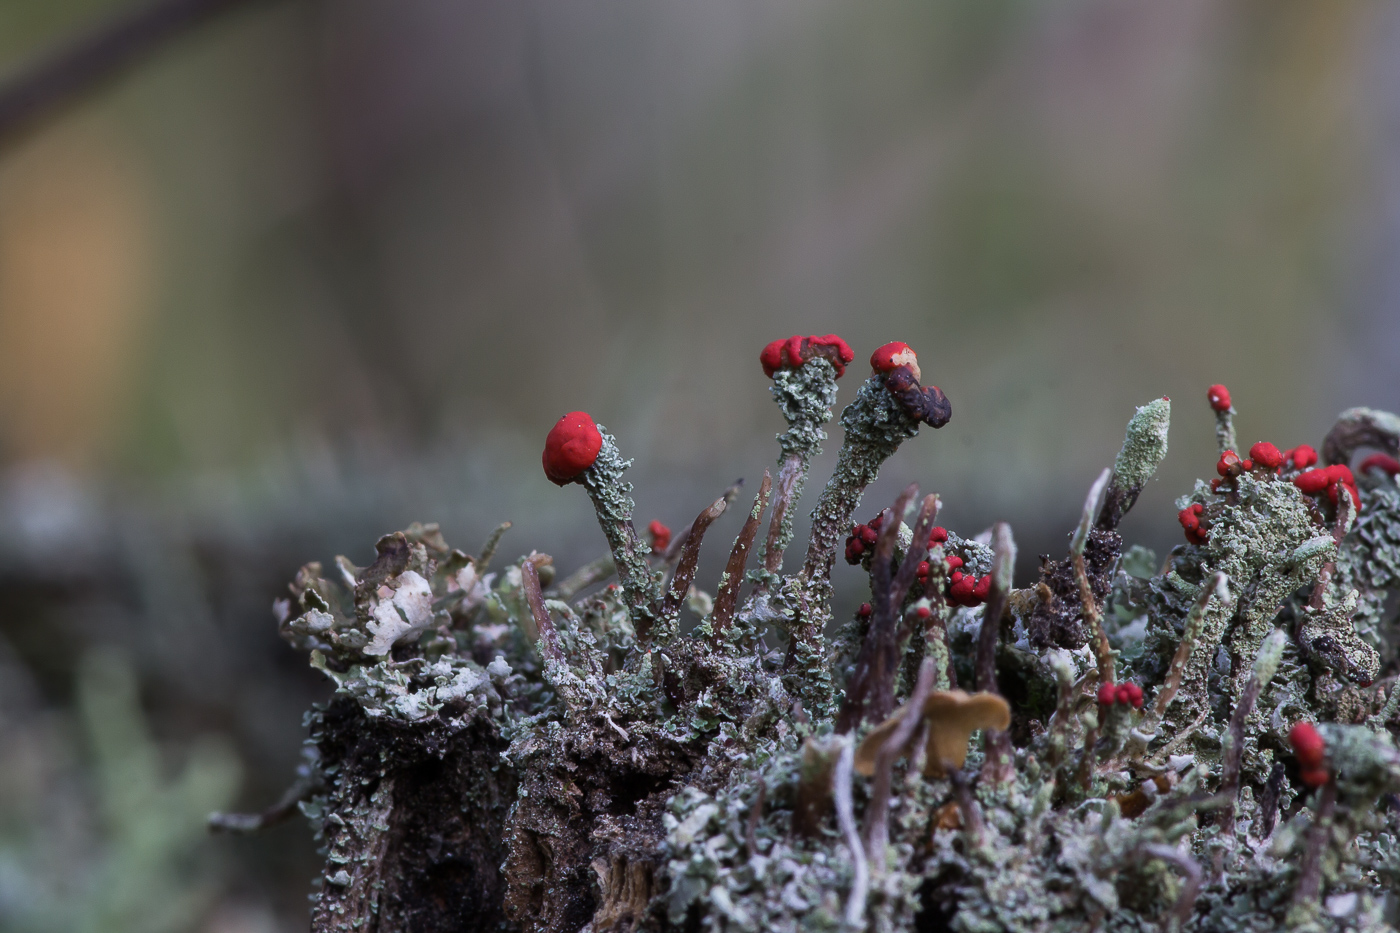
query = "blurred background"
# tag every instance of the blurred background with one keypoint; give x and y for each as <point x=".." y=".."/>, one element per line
<point x="313" y="270"/>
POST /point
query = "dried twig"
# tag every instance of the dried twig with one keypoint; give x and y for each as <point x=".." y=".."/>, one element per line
<point x="728" y="596"/>
<point x="85" y="63"/>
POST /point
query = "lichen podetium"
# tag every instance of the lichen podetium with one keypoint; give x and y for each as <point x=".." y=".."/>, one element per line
<point x="1123" y="743"/>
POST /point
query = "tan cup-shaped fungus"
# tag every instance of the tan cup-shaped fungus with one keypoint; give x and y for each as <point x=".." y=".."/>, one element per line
<point x="952" y="716"/>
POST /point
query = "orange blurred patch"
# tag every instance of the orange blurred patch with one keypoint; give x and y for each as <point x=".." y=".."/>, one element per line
<point x="75" y="274"/>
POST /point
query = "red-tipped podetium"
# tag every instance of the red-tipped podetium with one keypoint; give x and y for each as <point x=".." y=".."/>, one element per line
<point x="1219" y="397"/>
<point x="1124" y="694"/>
<point x="1311" y="752"/>
<point x="1190" y="519"/>
<point x="898" y="367"/>
<point x="797" y="350"/>
<point x="1383" y="462"/>
<point x="571" y="447"/>
<point x="1266" y="455"/>
<point x="1229" y="464"/>
<point x="1303" y="456"/>
<point x="660" y="536"/>
<point x="892" y="355"/>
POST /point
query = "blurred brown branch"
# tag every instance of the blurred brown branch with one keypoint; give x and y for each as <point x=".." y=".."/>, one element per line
<point x="81" y="65"/>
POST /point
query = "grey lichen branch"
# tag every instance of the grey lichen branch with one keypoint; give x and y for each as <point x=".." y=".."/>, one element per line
<point x="612" y="501"/>
<point x="805" y="396"/>
<point x="1144" y="448"/>
<point x="1215" y="588"/>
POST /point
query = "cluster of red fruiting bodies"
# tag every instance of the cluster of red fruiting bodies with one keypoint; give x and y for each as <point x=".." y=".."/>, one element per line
<point x="660" y="536"/>
<point x="1266" y="458"/>
<point x="574" y="442"/>
<point x="1311" y="753"/>
<point x="1124" y="694"/>
<point x="964" y="589"/>
<point x="795" y="351"/>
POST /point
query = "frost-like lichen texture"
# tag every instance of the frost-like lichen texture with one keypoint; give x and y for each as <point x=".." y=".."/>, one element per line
<point x="1123" y="743"/>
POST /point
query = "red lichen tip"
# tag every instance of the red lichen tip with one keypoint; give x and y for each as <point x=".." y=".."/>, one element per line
<point x="1314" y="777"/>
<point x="797" y="350"/>
<point x="1219" y="397"/>
<point x="893" y="355"/>
<point x="1312" y="482"/>
<point x="865" y="610"/>
<point x="660" y="536"/>
<point x="571" y="447"/>
<point x="1266" y="455"/>
<point x="1308" y="746"/>
<point x="938" y="535"/>
<point x="1229" y="464"/>
<point x="1303" y="456"/>
<point x="1129" y="694"/>
<point x="1383" y="462"/>
<point x="1107" y="694"/>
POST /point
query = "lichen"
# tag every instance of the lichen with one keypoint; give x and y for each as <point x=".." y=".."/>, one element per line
<point x="594" y="767"/>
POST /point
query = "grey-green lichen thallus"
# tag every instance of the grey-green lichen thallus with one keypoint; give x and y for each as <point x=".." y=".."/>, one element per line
<point x="1203" y="741"/>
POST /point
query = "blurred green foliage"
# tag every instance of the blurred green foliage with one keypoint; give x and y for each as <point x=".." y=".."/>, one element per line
<point x="99" y="832"/>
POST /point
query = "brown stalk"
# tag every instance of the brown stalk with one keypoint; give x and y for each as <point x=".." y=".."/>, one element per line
<point x="550" y="645"/>
<point x="282" y="810"/>
<point x="877" y="812"/>
<point x="1004" y="551"/>
<point x="918" y="549"/>
<point x="1234" y="752"/>
<point x="869" y="669"/>
<point x="690" y="558"/>
<point x="1093" y="504"/>
<point x="998" y="765"/>
<point x="728" y="596"/>
<point x="971" y="814"/>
